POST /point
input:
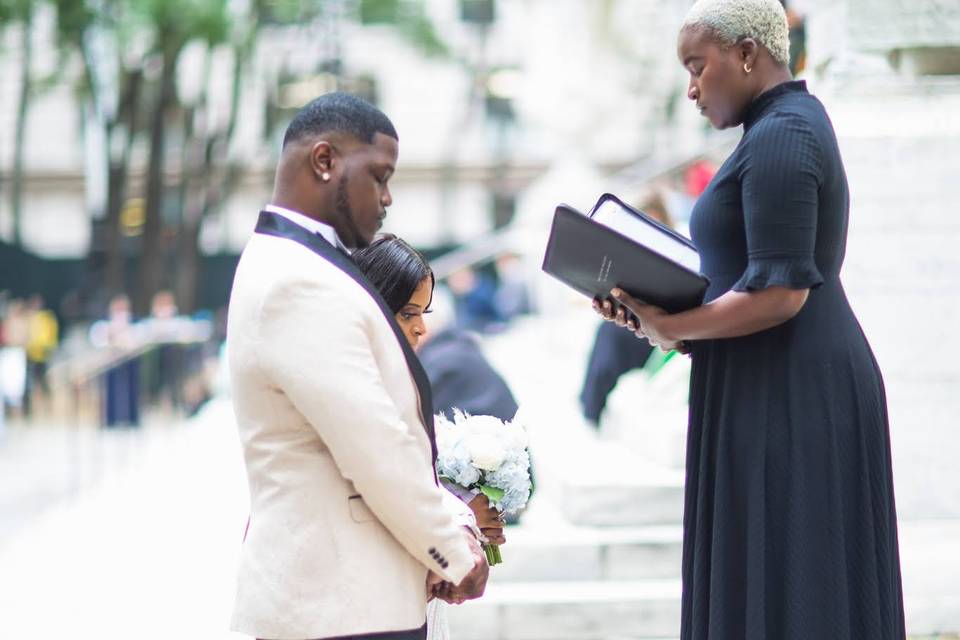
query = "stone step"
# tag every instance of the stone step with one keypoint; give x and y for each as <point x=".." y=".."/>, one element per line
<point x="629" y="502"/>
<point x="534" y="553"/>
<point x="598" y="483"/>
<point x="570" y="610"/>
<point x="658" y="433"/>
<point x="594" y="481"/>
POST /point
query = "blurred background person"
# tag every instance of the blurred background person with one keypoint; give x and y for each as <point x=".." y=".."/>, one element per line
<point x="696" y="177"/>
<point x="797" y="26"/>
<point x="512" y="297"/>
<point x="475" y="300"/>
<point x="119" y="336"/>
<point x="616" y="352"/>
<point x="162" y="368"/>
<point x="3" y="365"/>
<point x="13" y="355"/>
<point x="461" y="376"/>
<point x="42" y="342"/>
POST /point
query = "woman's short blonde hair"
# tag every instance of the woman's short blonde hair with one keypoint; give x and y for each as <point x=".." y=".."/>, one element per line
<point x="733" y="20"/>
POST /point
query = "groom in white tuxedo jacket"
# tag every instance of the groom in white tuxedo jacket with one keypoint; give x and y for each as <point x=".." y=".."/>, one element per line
<point x="349" y="531"/>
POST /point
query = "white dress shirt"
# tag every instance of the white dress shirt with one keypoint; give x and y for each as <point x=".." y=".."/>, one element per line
<point x="322" y="229"/>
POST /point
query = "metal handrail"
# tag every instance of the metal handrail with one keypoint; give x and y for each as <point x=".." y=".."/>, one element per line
<point x="94" y="364"/>
<point x="645" y="171"/>
<point x="490" y="245"/>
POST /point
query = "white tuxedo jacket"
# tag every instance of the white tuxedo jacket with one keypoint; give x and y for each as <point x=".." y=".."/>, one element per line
<point x="345" y="516"/>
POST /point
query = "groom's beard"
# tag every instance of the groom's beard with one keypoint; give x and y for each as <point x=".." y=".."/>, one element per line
<point x="346" y="215"/>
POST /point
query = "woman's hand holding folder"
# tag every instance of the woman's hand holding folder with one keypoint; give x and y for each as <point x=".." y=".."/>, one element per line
<point x="644" y="320"/>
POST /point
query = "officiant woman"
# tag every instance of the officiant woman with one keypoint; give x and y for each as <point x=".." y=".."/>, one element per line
<point x="790" y="528"/>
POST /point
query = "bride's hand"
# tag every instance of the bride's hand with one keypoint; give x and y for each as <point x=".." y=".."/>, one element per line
<point x="489" y="520"/>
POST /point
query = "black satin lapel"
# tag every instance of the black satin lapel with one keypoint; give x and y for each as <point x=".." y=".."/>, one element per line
<point x="271" y="224"/>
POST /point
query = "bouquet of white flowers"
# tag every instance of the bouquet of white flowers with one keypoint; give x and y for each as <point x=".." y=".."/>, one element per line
<point x="488" y="456"/>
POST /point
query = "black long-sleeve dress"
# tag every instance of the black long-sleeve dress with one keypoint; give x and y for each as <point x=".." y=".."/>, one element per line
<point x="789" y="525"/>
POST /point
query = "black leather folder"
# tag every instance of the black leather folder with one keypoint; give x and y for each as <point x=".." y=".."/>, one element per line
<point x="640" y="255"/>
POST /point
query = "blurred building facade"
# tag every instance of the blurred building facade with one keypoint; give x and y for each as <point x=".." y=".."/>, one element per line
<point x="541" y="101"/>
<point x="541" y="80"/>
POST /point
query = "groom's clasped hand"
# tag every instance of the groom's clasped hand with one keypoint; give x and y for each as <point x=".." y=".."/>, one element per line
<point x="490" y="522"/>
<point x="471" y="587"/>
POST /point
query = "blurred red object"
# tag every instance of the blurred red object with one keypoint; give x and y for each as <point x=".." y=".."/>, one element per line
<point x="698" y="176"/>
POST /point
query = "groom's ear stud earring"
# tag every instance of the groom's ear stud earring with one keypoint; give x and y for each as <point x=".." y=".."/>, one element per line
<point x="325" y="176"/>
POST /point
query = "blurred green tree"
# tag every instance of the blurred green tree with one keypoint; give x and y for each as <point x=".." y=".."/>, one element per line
<point x="20" y="12"/>
<point x="410" y="19"/>
<point x="110" y="92"/>
<point x="171" y="25"/>
<point x="131" y="91"/>
<point x="130" y="51"/>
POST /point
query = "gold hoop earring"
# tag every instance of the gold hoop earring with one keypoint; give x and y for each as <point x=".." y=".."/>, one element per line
<point x="746" y="68"/>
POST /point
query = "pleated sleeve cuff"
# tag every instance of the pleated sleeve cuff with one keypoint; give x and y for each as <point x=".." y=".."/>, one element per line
<point x="793" y="272"/>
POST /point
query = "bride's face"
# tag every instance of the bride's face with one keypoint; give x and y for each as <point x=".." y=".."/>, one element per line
<point x="410" y="317"/>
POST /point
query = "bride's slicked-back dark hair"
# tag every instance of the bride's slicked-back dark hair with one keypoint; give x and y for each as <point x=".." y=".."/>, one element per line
<point x="395" y="268"/>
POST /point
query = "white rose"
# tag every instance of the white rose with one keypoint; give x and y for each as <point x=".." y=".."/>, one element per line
<point x="483" y="424"/>
<point x="486" y="452"/>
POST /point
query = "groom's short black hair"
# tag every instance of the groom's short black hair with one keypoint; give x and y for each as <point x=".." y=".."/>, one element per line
<point x="339" y="111"/>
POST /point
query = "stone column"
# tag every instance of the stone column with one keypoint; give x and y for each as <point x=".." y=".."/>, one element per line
<point x="920" y="37"/>
<point x="899" y="131"/>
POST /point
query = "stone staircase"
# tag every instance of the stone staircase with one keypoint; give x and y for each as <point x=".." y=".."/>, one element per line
<point x="574" y="610"/>
<point x="563" y="581"/>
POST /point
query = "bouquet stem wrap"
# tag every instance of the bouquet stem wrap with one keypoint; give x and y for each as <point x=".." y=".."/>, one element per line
<point x="495" y="496"/>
